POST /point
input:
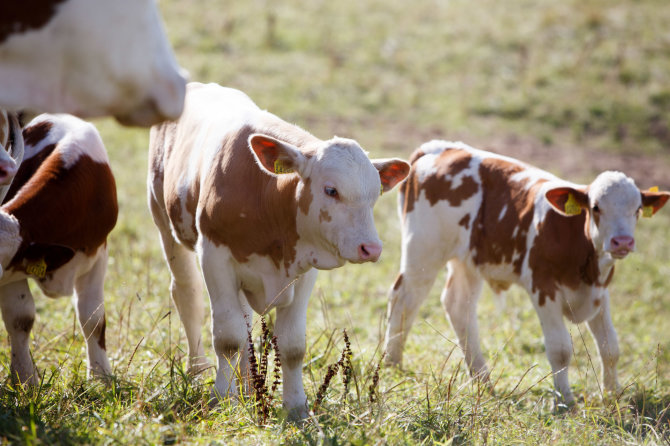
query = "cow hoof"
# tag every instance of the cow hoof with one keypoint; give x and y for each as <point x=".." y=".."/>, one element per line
<point x="198" y="368"/>
<point x="297" y="414"/>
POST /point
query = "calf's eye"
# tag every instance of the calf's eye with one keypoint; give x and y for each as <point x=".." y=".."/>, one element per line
<point x="331" y="192"/>
<point x="595" y="208"/>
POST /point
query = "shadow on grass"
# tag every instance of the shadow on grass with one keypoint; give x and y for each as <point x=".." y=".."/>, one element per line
<point x="650" y="413"/>
<point x="24" y="424"/>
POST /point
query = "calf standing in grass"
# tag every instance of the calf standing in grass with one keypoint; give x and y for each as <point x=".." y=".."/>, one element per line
<point x="53" y="228"/>
<point x="262" y="204"/>
<point x="493" y="218"/>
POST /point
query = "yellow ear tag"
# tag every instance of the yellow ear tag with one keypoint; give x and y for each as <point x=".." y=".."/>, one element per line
<point x="38" y="268"/>
<point x="381" y="190"/>
<point x="280" y="168"/>
<point x="648" y="211"/>
<point x="571" y="206"/>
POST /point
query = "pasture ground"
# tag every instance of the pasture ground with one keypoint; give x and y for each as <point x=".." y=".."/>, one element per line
<point x="574" y="87"/>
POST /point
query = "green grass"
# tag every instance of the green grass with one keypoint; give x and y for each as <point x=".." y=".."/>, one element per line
<point x="591" y="75"/>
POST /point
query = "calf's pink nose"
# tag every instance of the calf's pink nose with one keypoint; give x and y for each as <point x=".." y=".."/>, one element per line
<point x="7" y="172"/>
<point x="623" y="243"/>
<point x="369" y="251"/>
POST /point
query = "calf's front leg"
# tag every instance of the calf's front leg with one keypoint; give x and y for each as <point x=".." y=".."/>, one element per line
<point x="603" y="332"/>
<point x="229" y="327"/>
<point x="18" y="313"/>
<point x="558" y="345"/>
<point x="290" y="331"/>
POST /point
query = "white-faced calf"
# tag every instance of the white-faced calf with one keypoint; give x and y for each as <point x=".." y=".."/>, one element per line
<point x="53" y="229"/>
<point x="262" y="204"/>
<point x="489" y="217"/>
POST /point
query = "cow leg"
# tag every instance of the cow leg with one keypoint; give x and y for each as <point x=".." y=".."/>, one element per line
<point x="290" y="330"/>
<point x="419" y="268"/>
<point x="558" y="344"/>
<point x="18" y="313"/>
<point x="186" y="293"/>
<point x="603" y="332"/>
<point x="459" y="300"/>
<point x="90" y="309"/>
<point x="229" y="327"/>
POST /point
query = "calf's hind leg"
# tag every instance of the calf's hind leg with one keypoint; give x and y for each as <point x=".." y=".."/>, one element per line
<point x="406" y="296"/>
<point x="90" y="309"/>
<point x="18" y="313"/>
<point x="185" y="289"/>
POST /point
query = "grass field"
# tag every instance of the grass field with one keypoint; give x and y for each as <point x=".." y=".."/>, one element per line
<point x="560" y="79"/>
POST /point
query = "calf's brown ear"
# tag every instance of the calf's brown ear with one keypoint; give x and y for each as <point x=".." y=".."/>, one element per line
<point x="275" y="156"/>
<point x="567" y="201"/>
<point x="391" y="171"/>
<point x="40" y="258"/>
<point x="653" y="200"/>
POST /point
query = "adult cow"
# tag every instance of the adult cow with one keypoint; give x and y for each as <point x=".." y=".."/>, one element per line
<point x="493" y="218"/>
<point x="262" y="204"/>
<point x="53" y="229"/>
<point x="89" y="58"/>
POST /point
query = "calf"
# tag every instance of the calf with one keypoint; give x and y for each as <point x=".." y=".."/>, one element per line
<point x="53" y="229"/>
<point x="262" y="204"/>
<point x="89" y="58"/>
<point x="493" y="218"/>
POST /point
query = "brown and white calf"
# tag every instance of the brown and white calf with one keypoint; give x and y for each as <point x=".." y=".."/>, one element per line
<point x="489" y="217"/>
<point x="89" y="58"/>
<point x="262" y="204"/>
<point x="53" y="229"/>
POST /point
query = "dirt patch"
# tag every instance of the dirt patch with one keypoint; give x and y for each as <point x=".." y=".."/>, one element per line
<point x="571" y="162"/>
<point x="577" y="164"/>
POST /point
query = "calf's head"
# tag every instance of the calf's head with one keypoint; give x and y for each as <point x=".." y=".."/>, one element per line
<point x="614" y="204"/>
<point x="338" y="188"/>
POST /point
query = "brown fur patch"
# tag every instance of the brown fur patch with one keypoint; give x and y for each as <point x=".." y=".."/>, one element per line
<point x="306" y="196"/>
<point x="226" y="347"/>
<point x="563" y="255"/>
<point x="324" y="216"/>
<point x="25" y="16"/>
<point x="398" y="282"/>
<point x="35" y="133"/>
<point x="292" y="357"/>
<point x="27" y="169"/>
<point x="102" y="328"/>
<point x="465" y="221"/>
<point x="246" y="209"/>
<point x="79" y="203"/>
<point x="438" y="184"/>
<point x="24" y="323"/>
<point x="493" y="239"/>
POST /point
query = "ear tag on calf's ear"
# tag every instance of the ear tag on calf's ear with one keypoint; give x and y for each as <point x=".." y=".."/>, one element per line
<point x="37" y="268"/>
<point x="571" y="206"/>
<point x="280" y="168"/>
<point x="381" y="190"/>
<point x="648" y="211"/>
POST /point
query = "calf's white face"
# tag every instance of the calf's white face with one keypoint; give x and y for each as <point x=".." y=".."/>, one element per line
<point x="614" y="204"/>
<point x="341" y="186"/>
